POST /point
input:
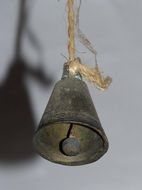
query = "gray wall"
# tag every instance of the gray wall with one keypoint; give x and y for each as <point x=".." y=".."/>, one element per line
<point x="115" y="28"/>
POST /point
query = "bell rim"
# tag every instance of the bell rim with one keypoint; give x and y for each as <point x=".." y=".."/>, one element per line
<point x="75" y="163"/>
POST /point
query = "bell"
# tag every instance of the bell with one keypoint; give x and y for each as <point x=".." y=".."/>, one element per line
<point x="70" y="132"/>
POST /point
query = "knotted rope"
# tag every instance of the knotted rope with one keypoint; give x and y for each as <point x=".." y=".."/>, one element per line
<point x="76" y="66"/>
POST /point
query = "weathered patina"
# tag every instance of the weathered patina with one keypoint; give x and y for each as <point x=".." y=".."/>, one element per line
<point x="70" y="132"/>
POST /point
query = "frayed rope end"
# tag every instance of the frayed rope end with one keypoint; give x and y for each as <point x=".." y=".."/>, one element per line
<point x="93" y="75"/>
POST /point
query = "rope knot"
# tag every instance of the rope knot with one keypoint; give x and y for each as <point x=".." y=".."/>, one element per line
<point x="75" y="65"/>
<point x="93" y="75"/>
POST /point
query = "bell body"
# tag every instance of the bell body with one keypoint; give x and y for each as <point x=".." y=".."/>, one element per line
<point x="70" y="132"/>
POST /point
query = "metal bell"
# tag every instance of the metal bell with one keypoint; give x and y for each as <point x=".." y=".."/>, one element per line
<point x="70" y="132"/>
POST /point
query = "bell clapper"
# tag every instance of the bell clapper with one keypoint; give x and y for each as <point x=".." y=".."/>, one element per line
<point x="70" y="146"/>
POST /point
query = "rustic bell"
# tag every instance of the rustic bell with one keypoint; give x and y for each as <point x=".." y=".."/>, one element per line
<point x="70" y="132"/>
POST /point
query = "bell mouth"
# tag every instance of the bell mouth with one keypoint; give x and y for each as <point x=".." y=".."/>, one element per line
<point x="70" y="143"/>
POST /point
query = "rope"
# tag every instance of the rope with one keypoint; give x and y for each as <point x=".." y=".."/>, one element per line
<point x="71" y="30"/>
<point x="76" y="66"/>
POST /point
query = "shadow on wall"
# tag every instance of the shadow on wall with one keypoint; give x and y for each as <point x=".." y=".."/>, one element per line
<point x="17" y="123"/>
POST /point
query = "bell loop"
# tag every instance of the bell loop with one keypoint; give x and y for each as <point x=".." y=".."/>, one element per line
<point x="66" y="73"/>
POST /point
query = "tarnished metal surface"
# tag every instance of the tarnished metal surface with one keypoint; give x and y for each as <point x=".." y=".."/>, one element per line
<point x="70" y="113"/>
<point x="66" y="73"/>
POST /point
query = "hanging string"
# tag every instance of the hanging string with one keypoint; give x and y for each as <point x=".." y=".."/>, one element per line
<point x="71" y="30"/>
<point x="76" y="66"/>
